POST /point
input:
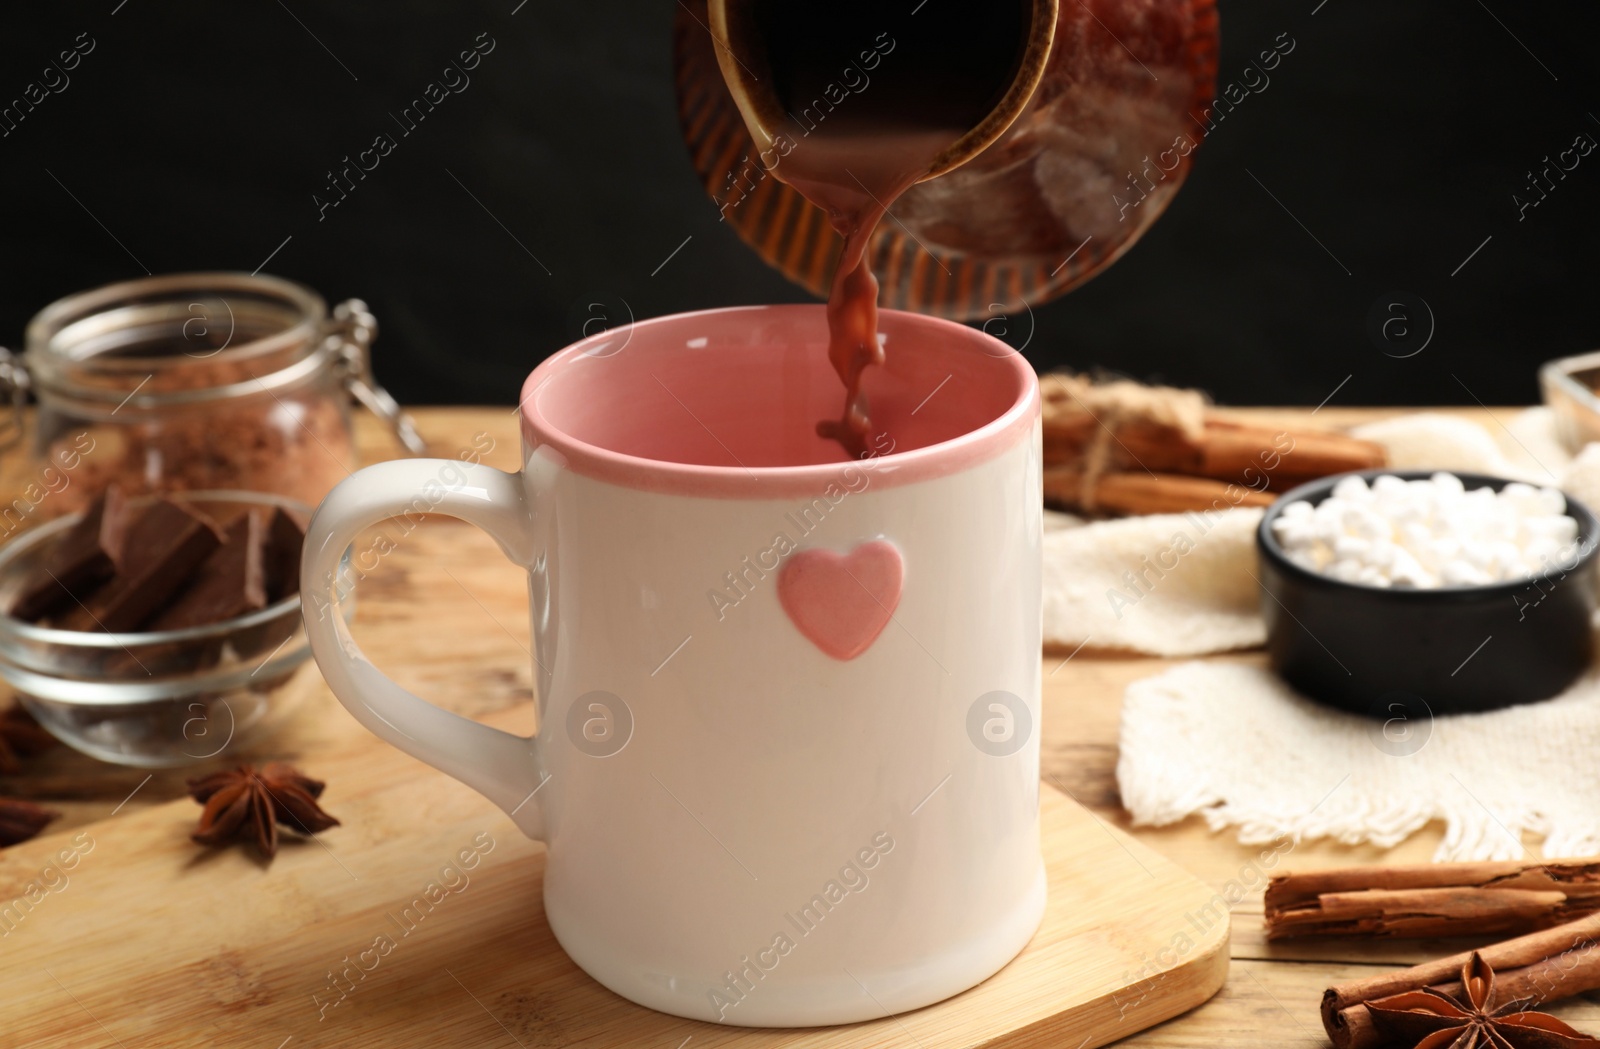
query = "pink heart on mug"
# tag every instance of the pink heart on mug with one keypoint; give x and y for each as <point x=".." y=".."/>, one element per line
<point x="842" y="602"/>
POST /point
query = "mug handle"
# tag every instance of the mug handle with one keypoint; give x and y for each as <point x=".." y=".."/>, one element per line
<point x="503" y="767"/>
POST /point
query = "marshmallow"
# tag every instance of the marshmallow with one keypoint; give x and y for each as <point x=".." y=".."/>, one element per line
<point x="1429" y="532"/>
<point x="1352" y="488"/>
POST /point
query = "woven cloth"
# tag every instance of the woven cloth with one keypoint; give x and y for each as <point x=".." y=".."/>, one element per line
<point x="1234" y="744"/>
<point x="1237" y="746"/>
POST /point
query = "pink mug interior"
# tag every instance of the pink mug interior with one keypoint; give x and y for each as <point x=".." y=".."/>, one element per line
<point x="726" y="402"/>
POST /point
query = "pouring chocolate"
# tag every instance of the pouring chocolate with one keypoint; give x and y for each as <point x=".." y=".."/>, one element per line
<point x="855" y="101"/>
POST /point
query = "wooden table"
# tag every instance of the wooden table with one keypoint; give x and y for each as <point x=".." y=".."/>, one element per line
<point x="481" y="664"/>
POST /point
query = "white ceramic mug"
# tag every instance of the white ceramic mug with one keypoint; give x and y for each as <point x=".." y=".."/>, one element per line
<point x="788" y="763"/>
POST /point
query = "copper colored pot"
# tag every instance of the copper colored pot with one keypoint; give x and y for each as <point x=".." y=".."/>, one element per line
<point x="1077" y="160"/>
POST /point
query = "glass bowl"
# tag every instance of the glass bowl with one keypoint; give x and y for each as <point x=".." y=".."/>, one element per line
<point x="152" y="699"/>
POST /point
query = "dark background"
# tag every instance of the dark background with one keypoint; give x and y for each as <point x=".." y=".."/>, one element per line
<point x="197" y="134"/>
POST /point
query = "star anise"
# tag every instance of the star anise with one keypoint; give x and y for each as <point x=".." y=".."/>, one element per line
<point x="20" y="737"/>
<point x="1430" y="1019"/>
<point x="246" y="803"/>
<point x="21" y="820"/>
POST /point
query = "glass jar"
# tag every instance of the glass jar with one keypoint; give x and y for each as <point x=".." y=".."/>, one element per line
<point x="193" y="381"/>
<point x="155" y="699"/>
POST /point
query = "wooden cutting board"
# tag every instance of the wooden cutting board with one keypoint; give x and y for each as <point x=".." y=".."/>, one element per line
<point x="148" y="940"/>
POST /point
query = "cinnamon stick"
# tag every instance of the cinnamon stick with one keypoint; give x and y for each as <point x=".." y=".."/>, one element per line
<point x="1229" y="448"/>
<point x="1445" y="899"/>
<point x="1137" y="492"/>
<point x="1541" y="966"/>
<point x="1223" y="450"/>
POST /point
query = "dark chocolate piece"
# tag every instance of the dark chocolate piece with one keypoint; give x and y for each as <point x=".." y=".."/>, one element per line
<point x="164" y="545"/>
<point x="285" y="537"/>
<point x="231" y="582"/>
<point x="87" y="555"/>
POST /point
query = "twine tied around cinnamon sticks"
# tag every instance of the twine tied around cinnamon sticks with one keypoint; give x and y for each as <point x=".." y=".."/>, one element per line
<point x="1121" y="447"/>
<point x="1074" y="402"/>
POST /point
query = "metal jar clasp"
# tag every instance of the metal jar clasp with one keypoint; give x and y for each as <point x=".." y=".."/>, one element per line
<point x="350" y="333"/>
<point x="15" y="382"/>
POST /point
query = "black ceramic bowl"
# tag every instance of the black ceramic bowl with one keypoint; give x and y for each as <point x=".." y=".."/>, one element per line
<point x="1375" y="650"/>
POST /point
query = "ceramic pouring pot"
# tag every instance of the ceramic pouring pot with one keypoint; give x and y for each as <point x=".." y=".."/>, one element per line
<point x="1088" y="147"/>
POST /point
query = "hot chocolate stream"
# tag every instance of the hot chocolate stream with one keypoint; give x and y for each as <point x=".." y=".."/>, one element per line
<point x="870" y="100"/>
<point x="855" y="178"/>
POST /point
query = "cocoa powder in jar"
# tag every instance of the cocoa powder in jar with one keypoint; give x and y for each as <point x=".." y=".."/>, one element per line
<point x="297" y="447"/>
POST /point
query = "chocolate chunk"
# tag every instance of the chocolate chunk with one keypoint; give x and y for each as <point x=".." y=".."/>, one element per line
<point x="285" y="537"/>
<point x="79" y="561"/>
<point x="231" y="582"/>
<point x="163" y="546"/>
